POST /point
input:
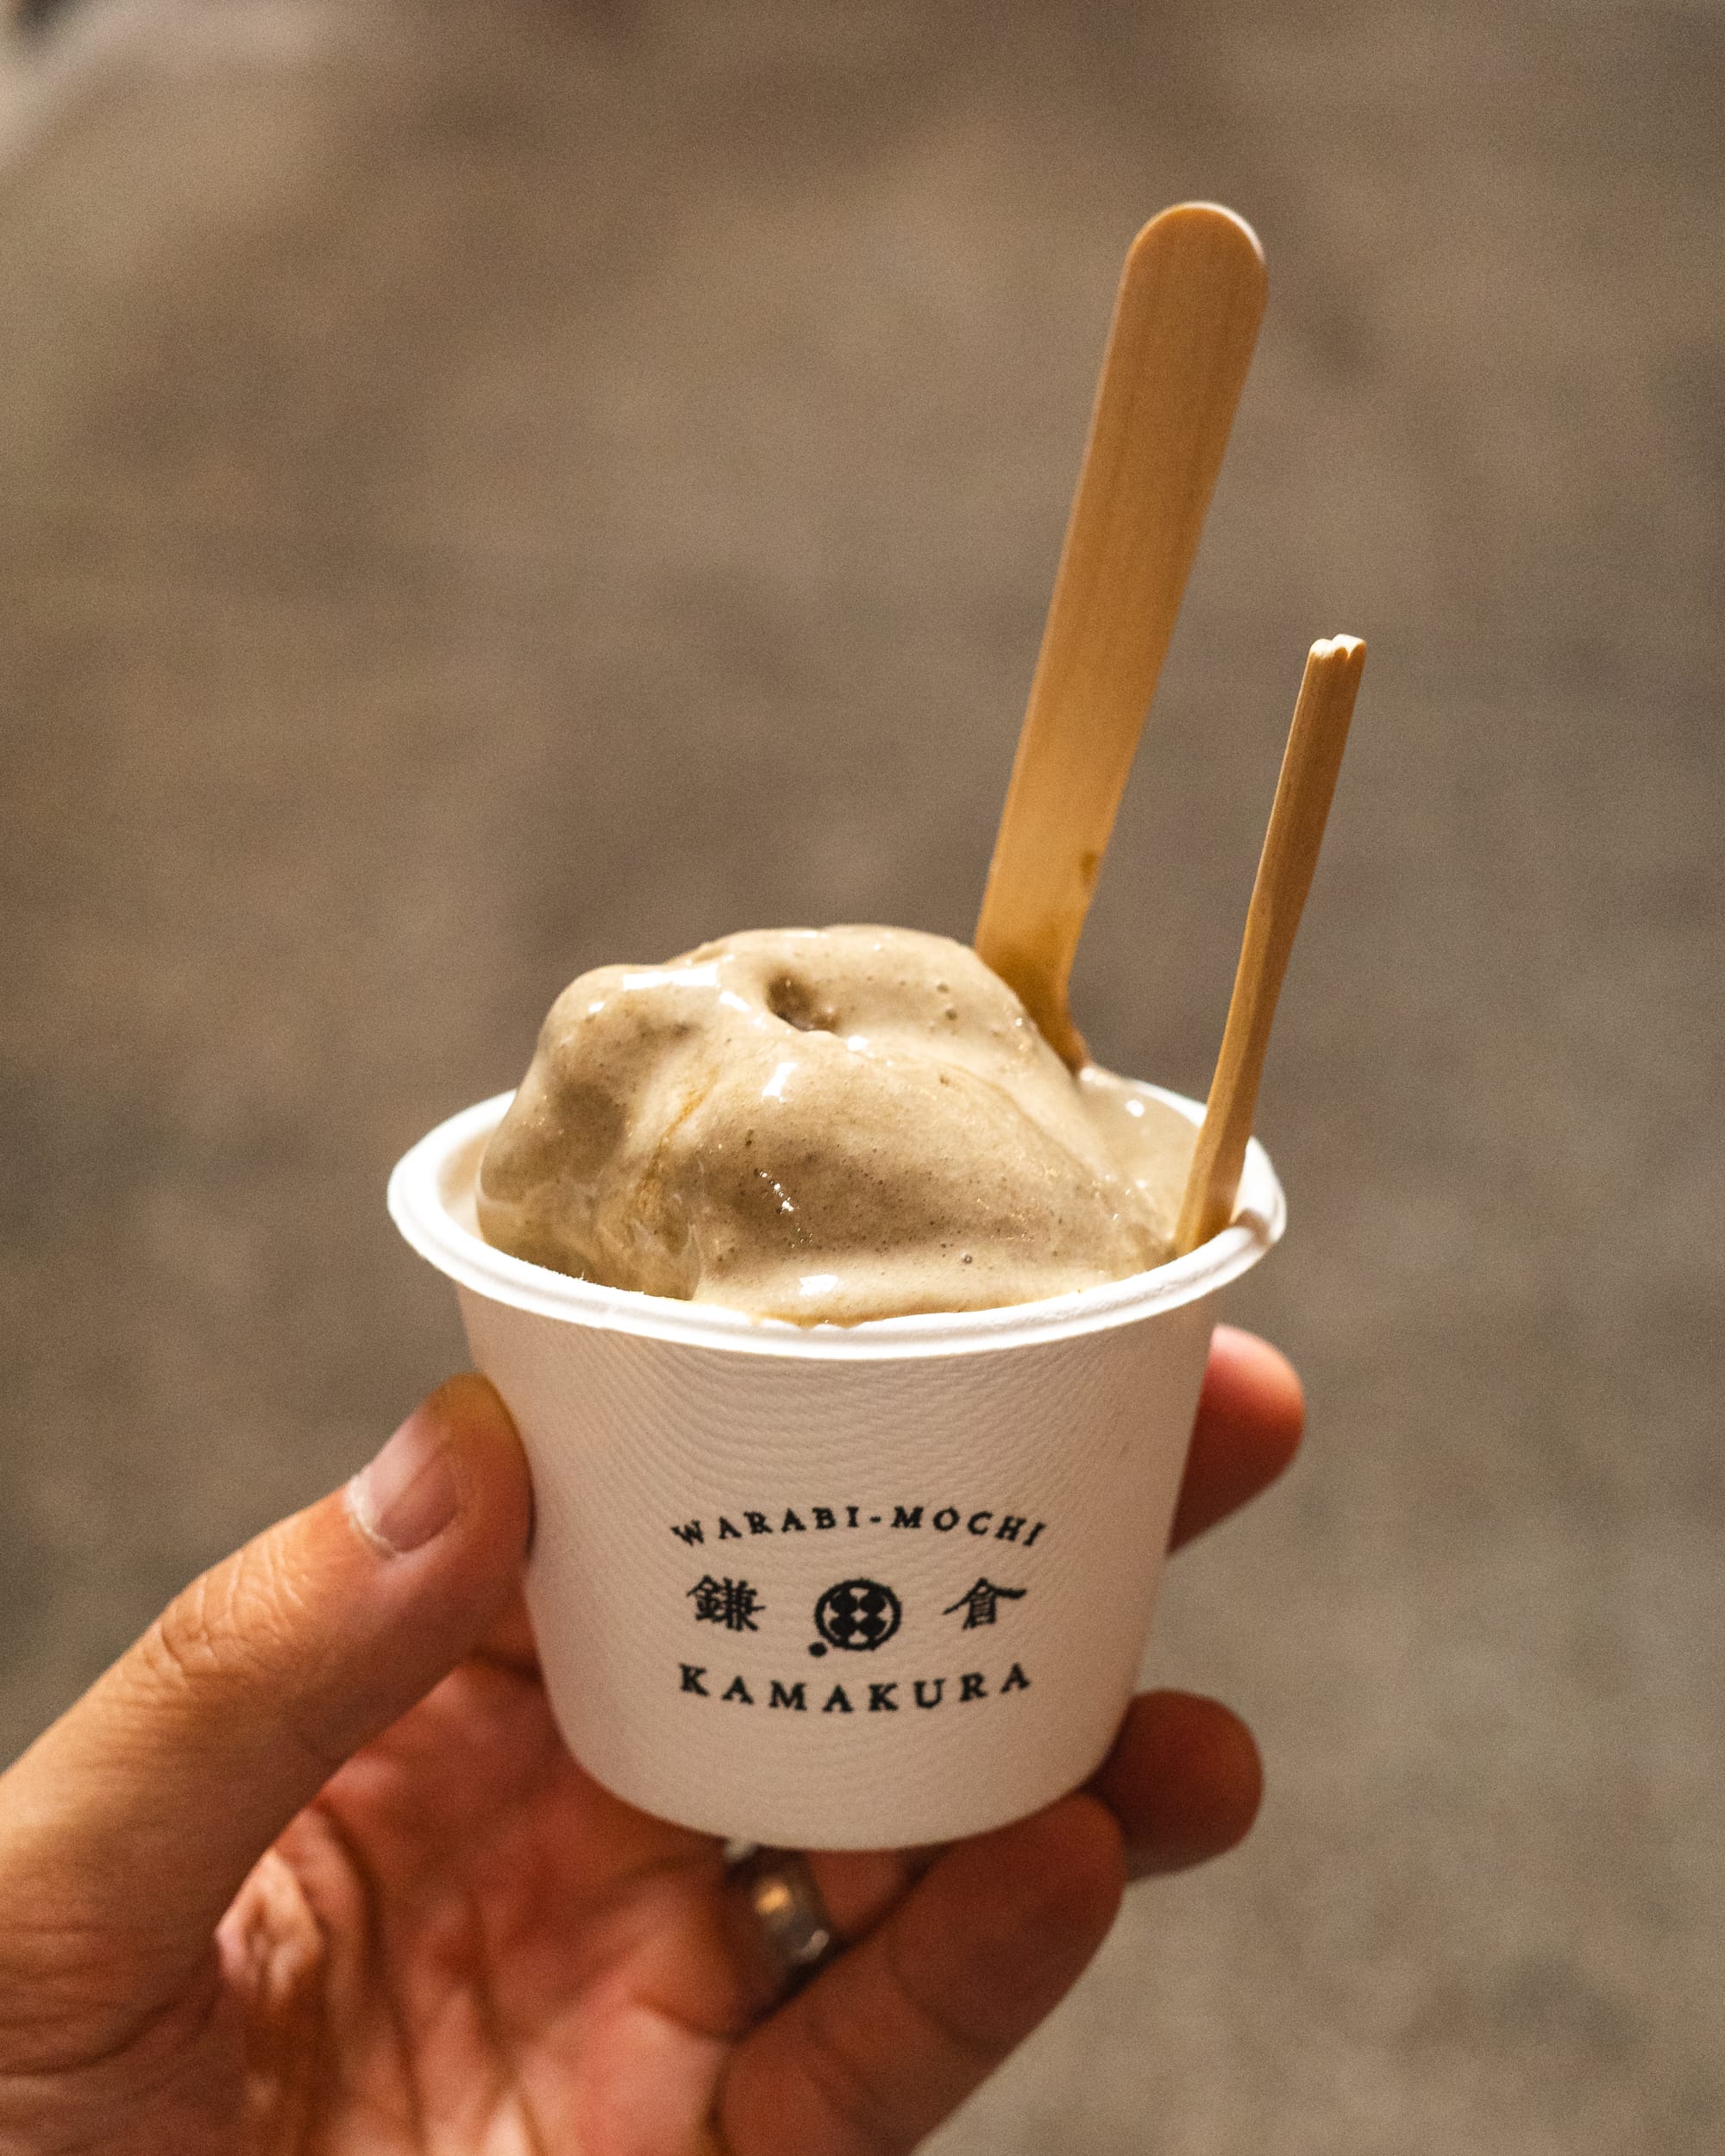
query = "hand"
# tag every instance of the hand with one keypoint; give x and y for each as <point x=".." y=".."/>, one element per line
<point x="309" y="1870"/>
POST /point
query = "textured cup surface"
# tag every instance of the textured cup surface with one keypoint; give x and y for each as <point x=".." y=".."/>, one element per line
<point x="837" y="1588"/>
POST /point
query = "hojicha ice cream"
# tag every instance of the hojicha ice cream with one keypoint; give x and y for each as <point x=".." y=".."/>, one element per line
<point x="826" y="1127"/>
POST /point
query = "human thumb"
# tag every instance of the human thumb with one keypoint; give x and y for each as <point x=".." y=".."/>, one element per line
<point x="130" y="1825"/>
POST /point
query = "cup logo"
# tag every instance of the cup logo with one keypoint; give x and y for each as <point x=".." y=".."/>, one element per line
<point x="857" y="1616"/>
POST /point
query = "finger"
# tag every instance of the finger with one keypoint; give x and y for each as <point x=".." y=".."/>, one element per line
<point x="1252" y="1412"/>
<point x="509" y="1639"/>
<point x="1185" y="1781"/>
<point x="134" y="1819"/>
<point x="897" y="2033"/>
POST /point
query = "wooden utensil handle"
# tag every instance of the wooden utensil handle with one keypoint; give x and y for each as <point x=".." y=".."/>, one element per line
<point x="1303" y="792"/>
<point x="1186" y="318"/>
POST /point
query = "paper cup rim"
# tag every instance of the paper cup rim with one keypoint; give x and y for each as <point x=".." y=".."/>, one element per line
<point x="421" y="1188"/>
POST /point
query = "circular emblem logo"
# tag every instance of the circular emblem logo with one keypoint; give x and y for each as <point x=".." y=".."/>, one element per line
<point x="858" y="1615"/>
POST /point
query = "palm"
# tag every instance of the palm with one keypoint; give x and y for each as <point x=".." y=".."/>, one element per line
<point x="466" y="1944"/>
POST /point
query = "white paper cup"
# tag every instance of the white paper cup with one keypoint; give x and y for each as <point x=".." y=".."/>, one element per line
<point x="837" y="1586"/>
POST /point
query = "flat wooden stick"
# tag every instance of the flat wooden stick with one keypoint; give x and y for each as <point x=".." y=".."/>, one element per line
<point x="1186" y="319"/>
<point x="1309" y="765"/>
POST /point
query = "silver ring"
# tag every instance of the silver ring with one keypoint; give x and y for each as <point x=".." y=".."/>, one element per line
<point x="778" y="1890"/>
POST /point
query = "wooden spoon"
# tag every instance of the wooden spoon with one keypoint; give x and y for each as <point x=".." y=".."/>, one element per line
<point x="1191" y="296"/>
<point x="1309" y="765"/>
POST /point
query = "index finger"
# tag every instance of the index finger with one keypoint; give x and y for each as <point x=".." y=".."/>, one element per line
<point x="1251" y="1413"/>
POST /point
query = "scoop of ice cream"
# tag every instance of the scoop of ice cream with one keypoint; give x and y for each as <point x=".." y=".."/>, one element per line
<point x="824" y="1125"/>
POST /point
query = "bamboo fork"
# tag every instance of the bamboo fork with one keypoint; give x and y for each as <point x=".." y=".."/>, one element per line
<point x="1303" y="792"/>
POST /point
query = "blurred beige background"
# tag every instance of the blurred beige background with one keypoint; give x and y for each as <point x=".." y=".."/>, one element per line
<point x="495" y="487"/>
